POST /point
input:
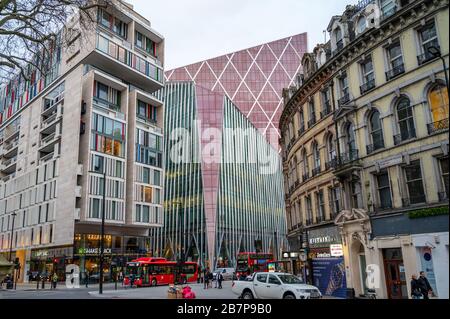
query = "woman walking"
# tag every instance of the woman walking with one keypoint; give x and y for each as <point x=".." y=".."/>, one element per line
<point x="415" y="288"/>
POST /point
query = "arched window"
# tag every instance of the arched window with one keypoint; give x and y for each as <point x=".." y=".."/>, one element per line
<point x="405" y="121"/>
<point x="338" y="35"/>
<point x="301" y="122"/>
<point x="351" y="140"/>
<point x="305" y="165"/>
<point x="316" y="155"/>
<point x="376" y="132"/>
<point x="438" y="101"/>
<point x="361" y="25"/>
<point x="331" y="148"/>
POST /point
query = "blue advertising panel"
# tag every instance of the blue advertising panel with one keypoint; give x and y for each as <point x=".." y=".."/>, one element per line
<point x="329" y="276"/>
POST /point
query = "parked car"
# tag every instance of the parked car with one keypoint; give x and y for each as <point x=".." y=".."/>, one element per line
<point x="227" y="273"/>
<point x="275" y="285"/>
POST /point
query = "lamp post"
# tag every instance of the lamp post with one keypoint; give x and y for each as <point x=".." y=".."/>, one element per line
<point x="436" y="52"/>
<point x="12" y="236"/>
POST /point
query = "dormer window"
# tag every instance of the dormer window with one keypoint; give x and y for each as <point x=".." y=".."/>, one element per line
<point x="361" y="25"/>
<point x="338" y="37"/>
<point x="388" y="7"/>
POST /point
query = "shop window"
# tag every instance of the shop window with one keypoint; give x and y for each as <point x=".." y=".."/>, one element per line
<point x="414" y="183"/>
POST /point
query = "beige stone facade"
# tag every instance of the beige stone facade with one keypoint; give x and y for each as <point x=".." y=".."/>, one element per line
<point x="390" y="117"/>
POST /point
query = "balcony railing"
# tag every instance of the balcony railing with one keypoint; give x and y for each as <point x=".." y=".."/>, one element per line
<point x="443" y="196"/>
<point x="301" y="131"/>
<point x="394" y="72"/>
<point x="404" y="136"/>
<point x="49" y="120"/>
<point x="347" y="158"/>
<point x="309" y="221"/>
<point x="305" y="177"/>
<point x="420" y="199"/>
<point x="106" y="104"/>
<point x="389" y="13"/>
<point x="326" y="109"/>
<point x="331" y="164"/>
<point x="312" y="120"/>
<point x="321" y="218"/>
<point x="438" y="126"/>
<point x="11" y="145"/>
<point x="316" y="171"/>
<point x="129" y="58"/>
<point x="382" y="206"/>
<point x="10" y="162"/>
<point x="291" y="143"/>
<point x="427" y="56"/>
<point x="344" y="99"/>
<point x="366" y="87"/>
<point x="47" y="157"/>
<point x="374" y="147"/>
<point x="48" y="139"/>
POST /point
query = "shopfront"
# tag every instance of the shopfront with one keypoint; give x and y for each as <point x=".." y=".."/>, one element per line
<point x="327" y="261"/>
<point x="49" y="261"/>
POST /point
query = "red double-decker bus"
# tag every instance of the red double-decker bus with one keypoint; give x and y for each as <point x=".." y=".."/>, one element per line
<point x="146" y="272"/>
<point x="248" y="263"/>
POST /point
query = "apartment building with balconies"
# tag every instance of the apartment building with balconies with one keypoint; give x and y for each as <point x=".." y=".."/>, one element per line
<point x="62" y="132"/>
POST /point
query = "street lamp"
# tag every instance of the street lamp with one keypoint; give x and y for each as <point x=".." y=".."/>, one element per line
<point x="12" y="236"/>
<point x="436" y="52"/>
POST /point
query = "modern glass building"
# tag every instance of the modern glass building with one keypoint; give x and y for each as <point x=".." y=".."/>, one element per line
<point x="224" y="186"/>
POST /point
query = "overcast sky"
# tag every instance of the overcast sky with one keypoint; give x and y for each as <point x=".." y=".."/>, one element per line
<point x="196" y="30"/>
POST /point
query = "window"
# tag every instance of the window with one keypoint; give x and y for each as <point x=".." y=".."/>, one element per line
<point x="139" y="40"/>
<point x="351" y="140"/>
<point x="413" y="175"/>
<point x="320" y="206"/>
<point x="331" y="148"/>
<point x="384" y="190"/>
<point x="312" y="113"/>
<point x="344" y="91"/>
<point x="326" y="103"/>
<point x="338" y="38"/>
<point x="405" y="120"/>
<point x="95" y="208"/>
<point x="316" y="154"/>
<point x="305" y="166"/>
<point x="146" y="214"/>
<point x="157" y="177"/>
<point x="273" y="280"/>
<point x="376" y="132"/>
<point x="147" y="194"/>
<point x="138" y="213"/>
<point x="355" y="187"/>
<point x="335" y="194"/>
<point x="368" y="76"/>
<point x="444" y="174"/>
<point x="395" y="60"/>
<point x="428" y="38"/>
<point x="361" y="25"/>
<point x="309" y="214"/>
<point x="301" y="124"/>
<point x="145" y="175"/>
<point x="102" y="91"/>
<point x="261" y="278"/>
<point x="113" y="210"/>
<point x="105" y="19"/>
<point x="98" y="164"/>
<point x="119" y="165"/>
<point x="388" y="7"/>
<point x="438" y="101"/>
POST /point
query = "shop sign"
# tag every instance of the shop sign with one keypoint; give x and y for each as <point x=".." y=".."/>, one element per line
<point x="41" y="253"/>
<point x="93" y="251"/>
<point x="323" y="237"/>
<point x="336" y="250"/>
<point x="286" y="255"/>
<point x="53" y="252"/>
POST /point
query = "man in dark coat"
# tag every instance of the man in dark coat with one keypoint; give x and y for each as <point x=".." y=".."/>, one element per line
<point x="424" y="285"/>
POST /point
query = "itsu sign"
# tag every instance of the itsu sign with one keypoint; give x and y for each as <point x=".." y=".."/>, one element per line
<point x="336" y="250"/>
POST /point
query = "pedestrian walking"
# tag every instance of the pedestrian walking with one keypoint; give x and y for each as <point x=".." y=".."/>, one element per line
<point x="220" y="279"/>
<point x="416" y="292"/>
<point x="205" y="278"/>
<point x="424" y="285"/>
<point x="86" y="278"/>
<point x="54" y="280"/>
<point x="210" y="279"/>
<point x="216" y="284"/>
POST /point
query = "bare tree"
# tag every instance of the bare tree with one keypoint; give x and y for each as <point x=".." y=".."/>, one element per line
<point x="30" y="32"/>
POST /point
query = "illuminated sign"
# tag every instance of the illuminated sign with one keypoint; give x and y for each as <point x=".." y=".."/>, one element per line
<point x="336" y="250"/>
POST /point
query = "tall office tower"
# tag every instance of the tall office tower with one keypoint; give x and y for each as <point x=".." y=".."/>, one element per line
<point x="92" y="116"/>
<point x="224" y="188"/>
<point x="253" y="79"/>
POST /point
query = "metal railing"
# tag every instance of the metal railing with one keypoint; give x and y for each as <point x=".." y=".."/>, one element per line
<point x="369" y="85"/>
<point x="427" y="56"/>
<point x="420" y="199"/>
<point x="375" y="146"/>
<point x="49" y="119"/>
<point x="312" y="120"/>
<point x="438" y="126"/>
<point x="404" y="136"/>
<point x="301" y="130"/>
<point x="316" y="171"/>
<point x="331" y="164"/>
<point x="305" y="177"/>
<point x="47" y="157"/>
<point x="344" y="99"/>
<point x="395" y="71"/>
<point x="48" y="139"/>
<point x="348" y="157"/>
<point x="10" y="162"/>
<point x="11" y="145"/>
<point x="326" y="109"/>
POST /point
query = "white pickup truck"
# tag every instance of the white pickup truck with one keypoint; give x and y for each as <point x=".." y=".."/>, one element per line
<point x="263" y="285"/>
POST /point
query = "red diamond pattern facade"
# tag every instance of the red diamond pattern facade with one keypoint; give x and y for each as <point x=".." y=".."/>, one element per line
<point x="253" y="79"/>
